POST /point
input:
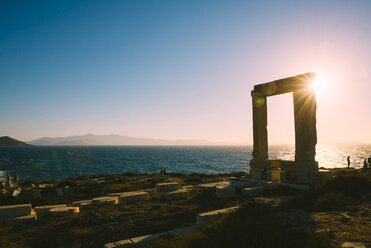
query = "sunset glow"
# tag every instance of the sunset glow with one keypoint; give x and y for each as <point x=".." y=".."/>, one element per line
<point x="319" y="84"/>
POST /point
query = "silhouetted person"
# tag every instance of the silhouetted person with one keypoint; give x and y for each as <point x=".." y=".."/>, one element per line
<point x="8" y="180"/>
<point x="348" y="159"/>
<point x="365" y="163"/>
<point x="16" y="177"/>
<point x="162" y="172"/>
<point x="165" y="171"/>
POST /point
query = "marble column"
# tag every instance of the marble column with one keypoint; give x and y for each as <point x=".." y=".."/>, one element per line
<point x="305" y="125"/>
<point x="259" y="103"/>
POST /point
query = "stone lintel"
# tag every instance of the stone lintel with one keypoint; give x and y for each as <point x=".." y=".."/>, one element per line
<point x="284" y="85"/>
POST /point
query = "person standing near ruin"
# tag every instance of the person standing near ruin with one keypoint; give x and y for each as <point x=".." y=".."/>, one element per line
<point x="16" y="177"/>
<point x="365" y="163"/>
<point x="348" y="160"/>
<point x="8" y="180"/>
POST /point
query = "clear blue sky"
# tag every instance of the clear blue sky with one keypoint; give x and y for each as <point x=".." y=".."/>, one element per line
<point x="180" y="69"/>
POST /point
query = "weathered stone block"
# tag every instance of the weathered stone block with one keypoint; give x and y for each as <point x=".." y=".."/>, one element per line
<point x="142" y="240"/>
<point x="43" y="186"/>
<point x="167" y="186"/>
<point x="74" y="210"/>
<point x="133" y="196"/>
<point x="27" y="218"/>
<point x="64" y="211"/>
<point x="42" y="210"/>
<point x="206" y="187"/>
<point x="151" y="192"/>
<point x="105" y="201"/>
<point x="120" y="244"/>
<point x="252" y="192"/>
<point x="274" y="175"/>
<point x="20" y="219"/>
<point x="190" y="188"/>
<point x="176" y="232"/>
<point x="207" y="218"/>
<point x="147" y="238"/>
<point x="16" y="193"/>
<point x="210" y="187"/>
<point x="82" y="204"/>
<point x="353" y="245"/>
<point x="225" y="191"/>
<point x="15" y="210"/>
<point x="176" y="195"/>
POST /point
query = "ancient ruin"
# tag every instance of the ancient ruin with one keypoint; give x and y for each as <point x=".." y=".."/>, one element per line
<point x="304" y="168"/>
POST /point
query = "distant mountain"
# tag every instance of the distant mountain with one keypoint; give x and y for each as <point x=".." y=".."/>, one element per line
<point x="115" y="140"/>
<point x="71" y="143"/>
<point x="7" y="141"/>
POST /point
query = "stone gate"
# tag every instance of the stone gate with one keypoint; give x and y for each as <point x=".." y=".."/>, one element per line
<point x="304" y="167"/>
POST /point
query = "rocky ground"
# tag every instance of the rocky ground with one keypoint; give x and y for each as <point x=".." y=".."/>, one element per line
<point x="334" y="222"/>
<point x="349" y="225"/>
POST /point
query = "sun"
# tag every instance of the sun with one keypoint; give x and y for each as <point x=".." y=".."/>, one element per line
<point x="318" y="84"/>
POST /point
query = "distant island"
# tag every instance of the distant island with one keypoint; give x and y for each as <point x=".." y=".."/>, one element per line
<point x="118" y="140"/>
<point x="10" y="142"/>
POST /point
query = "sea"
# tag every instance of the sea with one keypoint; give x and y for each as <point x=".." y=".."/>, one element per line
<point x="40" y="163"/>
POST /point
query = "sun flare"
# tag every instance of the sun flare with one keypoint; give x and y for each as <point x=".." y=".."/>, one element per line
<point x="318" y="84"/>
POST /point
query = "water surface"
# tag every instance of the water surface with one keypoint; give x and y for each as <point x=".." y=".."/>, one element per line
<point x="41" y="163"/>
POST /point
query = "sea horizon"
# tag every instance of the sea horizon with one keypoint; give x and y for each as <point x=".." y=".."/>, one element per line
<point x="58" y="162"/>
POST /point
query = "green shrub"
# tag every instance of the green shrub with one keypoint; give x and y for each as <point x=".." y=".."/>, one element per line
<point x="330" y="201"/>
<point x="350" y="184"/>
<point x="334" y="193"/>
<point x="253" y="225"/>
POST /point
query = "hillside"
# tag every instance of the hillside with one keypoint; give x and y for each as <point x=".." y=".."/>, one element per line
<point x="7" y="142"/>
<point x="114" y="140"/>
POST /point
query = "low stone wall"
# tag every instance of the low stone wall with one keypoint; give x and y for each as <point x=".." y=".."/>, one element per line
<point x="14" y="214"/>
<point x="15" y="210"/>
